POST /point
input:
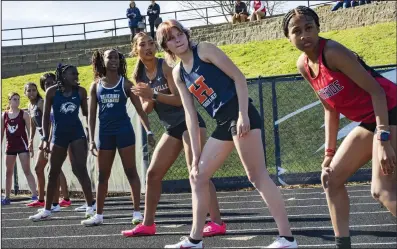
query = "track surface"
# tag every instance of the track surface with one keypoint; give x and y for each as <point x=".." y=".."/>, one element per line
<point x="248" y="221"/>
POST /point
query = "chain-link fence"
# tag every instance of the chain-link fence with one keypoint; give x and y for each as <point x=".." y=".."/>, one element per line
<point x="292" y="134"/>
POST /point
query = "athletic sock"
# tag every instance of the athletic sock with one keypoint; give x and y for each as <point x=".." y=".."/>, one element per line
<point x="194" y="241"/>
<point x="290" y="239"/>
<point x="343" y="242"/>
<point x="55" y="204"/>
<point x="93" y="202"/>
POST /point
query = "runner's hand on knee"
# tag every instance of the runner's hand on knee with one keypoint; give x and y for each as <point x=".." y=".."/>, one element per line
<point x="195" y="167"/>
<point x="387" y="158"/>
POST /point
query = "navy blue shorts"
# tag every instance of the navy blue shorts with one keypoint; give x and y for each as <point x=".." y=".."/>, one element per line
<point x="121" y="140"/>
<point x="63" y="139"/>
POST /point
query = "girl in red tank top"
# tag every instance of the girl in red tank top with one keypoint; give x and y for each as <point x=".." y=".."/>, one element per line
<point x="14" y="123"/>
<point x="346" y="85"/>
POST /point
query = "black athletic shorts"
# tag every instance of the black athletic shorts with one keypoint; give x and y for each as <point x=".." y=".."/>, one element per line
<point x="177" y="131"/>
<point x="392" y="121"/>
<point x="226" y="120"/>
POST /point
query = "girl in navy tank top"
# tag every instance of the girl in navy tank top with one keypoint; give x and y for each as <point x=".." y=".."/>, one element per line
<point x="110" y="92"/>
<point x="346" y="85"/>
<point x="156" y="89"/>
<point x="35" y="109"/>
<point x="208" y="75"/>
<point x="15" y="123"/>
<point x="68" y="137"/>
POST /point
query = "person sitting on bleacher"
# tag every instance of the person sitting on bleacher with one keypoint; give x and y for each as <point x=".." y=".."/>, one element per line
<point x="259" y="10"/>
<point x="349" y="3"/>
<point x="240" y="12"/>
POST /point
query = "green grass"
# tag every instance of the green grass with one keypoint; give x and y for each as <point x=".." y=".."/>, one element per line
<point x="301" y="135"/>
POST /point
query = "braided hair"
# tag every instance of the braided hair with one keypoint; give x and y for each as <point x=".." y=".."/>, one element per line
<point x="43" y="79"/>
<point x="59" y="75"/>
<point x="300" y="10"/>
<point x="98" y="64"/>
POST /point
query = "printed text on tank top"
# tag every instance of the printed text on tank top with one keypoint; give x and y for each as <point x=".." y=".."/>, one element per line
<point x="342" y="93"/>
<point x="110" y="99"/>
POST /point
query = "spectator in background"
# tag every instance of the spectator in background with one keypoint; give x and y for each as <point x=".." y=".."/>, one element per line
<point x="259" y="10"/>
<point x="153" y="13"/>
<point x="349" y="3"/>
<point x="240" y="12"/>
<point x="134" y="16"/>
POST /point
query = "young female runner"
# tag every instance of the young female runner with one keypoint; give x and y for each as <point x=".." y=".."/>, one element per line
<point x="346" y="85"/>
<point x="35" y="109"/>
<point x="157" y="90"/>
<point x="109" y="92"/>
<point x="206" y="73"/>
<point x="15" y="122"/>
<point x="68" y="135"/>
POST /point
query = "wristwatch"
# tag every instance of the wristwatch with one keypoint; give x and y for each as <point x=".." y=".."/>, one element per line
<point x="155" y="94"/>
<point x="383" y="135"/>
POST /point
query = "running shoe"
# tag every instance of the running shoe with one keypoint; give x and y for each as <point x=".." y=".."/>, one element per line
<point x="83" y="208"/>
<point x="93" y="221"/>
<point x="213" y="229"/>
<point x="140" y="230"/>
<point x="42" y="215"/>
<point x="65" y="203"/>
<point x="54" y="209"/>
<point x="5" y="201"/>
<point x="89" y="212"/>
<point x="36" y="204"/>
<point x="185" y="243"/>
<point x="137" y="218"/>
<point x="281" y="242"/>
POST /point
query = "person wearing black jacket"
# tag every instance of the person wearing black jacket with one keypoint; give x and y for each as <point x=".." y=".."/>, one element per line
<point x="240" y="12"/>
<point x="153" y="13"/>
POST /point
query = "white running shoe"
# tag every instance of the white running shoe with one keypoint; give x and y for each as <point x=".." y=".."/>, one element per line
<point x="281" y="242"/>
<point x="93" y="221"/>
<point x="83" y="208"/>
<point x="54" y="209"/>
<point x="89" y="212"/>
<point x="137" y="218"/>
<point x="42" y="215"/>
<point x="185" y="243"/>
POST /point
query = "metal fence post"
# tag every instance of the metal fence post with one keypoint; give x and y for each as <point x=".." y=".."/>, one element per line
<point x="21" y="37"/>
<point x="53" y="34"/>
<point x="262" y="113"/>
<point x="16" y="185"/>
<point x="277" y="151"/>
<point x="175" y="16"/>
<point x="115" y="30"/>
<point x="206" y="14"/>
<point x="145" y="158"/>
<point x="84" y="31"/>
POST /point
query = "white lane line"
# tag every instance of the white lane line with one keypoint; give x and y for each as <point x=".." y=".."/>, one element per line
<point x="189" y="199"/>
<point x="182" y="212"/>
<point x="185" y="220"/>
<point x="176" y="233"/>
<point x="367" y="245"/>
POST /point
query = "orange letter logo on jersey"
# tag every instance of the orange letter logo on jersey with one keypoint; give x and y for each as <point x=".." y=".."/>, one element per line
<point x="200" y="90"/>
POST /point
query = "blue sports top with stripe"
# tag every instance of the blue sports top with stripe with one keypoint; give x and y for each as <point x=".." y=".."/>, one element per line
<point x="211" y="87"/>
<point x="113" y="116"/>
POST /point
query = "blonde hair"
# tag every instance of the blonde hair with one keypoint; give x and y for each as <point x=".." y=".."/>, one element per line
<point x="163" y="35"/>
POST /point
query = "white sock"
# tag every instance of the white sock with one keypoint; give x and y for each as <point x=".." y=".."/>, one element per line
<point x="99" y="216"/>
<point x="136" y="213"/>
<point x="47" y="212"/>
